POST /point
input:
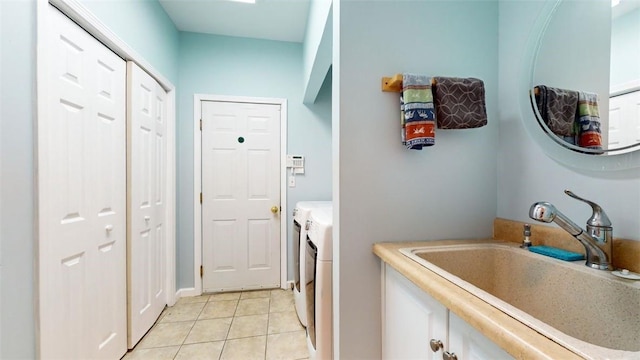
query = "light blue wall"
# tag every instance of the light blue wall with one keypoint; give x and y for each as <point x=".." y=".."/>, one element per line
<point x="525" y="173"/>
<point x="423" y="194"/>
<point x="17" y="122"/>
<point x="222" y="65"/>
<point x="625" y="48"/>
<point x="145" y="27"/>
<point x="316" y="47"/>
<point x="562" y="63"/>
<point x="388" y="193"/>
<point x="153" y="36"/>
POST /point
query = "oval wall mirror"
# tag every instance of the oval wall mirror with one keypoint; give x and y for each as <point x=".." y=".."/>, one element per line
<point x="585" y="90"/>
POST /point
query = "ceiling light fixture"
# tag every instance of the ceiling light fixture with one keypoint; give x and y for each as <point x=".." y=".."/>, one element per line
<point x="254" y="1"/>
<point x="615" y="3"/>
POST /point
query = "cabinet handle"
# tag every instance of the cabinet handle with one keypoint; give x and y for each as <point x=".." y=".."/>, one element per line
<point x="436" y="345"/>
<point x="449" y="356"/>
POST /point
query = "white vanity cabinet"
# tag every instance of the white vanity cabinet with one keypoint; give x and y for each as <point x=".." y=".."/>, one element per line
<point x="468" y="343"/>
<point x="412" y="320"/>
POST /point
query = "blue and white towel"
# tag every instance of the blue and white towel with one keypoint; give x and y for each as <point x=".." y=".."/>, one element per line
<point x="417" y="112"/>
<point x="589" y="132"/>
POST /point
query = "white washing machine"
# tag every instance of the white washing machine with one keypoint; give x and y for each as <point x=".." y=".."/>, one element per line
<point x="318" y="272"/>
<point x="301" y="214"/>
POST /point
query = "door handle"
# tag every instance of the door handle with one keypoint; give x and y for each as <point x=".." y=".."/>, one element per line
<point x="274" y="209"/>
<point x="147" y="218"/>
<point x="435" y="345"/>
<point x="449" y="356"/>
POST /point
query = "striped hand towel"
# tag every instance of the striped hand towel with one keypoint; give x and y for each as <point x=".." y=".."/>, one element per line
<point x="418" y="114"/>
<point x="589" y="133"/>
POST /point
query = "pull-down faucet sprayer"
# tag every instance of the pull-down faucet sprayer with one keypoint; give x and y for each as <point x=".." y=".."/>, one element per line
<point x="596" y="239"/>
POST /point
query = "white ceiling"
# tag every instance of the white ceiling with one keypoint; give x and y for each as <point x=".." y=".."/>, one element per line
<point x="625" y="6"/>
<point x="283" y="20"/>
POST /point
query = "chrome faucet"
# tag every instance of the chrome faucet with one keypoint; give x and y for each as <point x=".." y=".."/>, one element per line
<point x="596" y="239"/>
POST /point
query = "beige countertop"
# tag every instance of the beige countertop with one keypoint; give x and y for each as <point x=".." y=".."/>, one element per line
<point x="518" y="339"/>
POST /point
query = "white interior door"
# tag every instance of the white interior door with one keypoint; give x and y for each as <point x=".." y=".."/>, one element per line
<point x="624" y="119"/>
<point x="81" y="180"/>
<point x="146" y="177"/>
<point x="241" y="195"/>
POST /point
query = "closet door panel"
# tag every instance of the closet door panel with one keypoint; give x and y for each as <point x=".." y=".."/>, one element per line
<point x="81" y="163"/>
<point x="146" y="179"/>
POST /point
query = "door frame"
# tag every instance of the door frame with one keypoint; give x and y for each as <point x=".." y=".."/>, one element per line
<point x="197" y="180"/>
<point x="93" y="25"/>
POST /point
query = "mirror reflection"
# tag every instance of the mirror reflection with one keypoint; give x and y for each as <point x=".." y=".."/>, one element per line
<point x="586" y="81"/>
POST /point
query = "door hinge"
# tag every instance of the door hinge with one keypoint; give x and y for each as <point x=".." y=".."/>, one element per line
<point x="200" y="124"/>
<point x="200" y="198"/>
<point x="201" y="271"/>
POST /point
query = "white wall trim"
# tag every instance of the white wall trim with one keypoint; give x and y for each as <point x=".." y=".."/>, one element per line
<point x="171" y="190"/>
<point x="186" y="292"/>
<point x="90" y="23"/>
<point x="197" y="188"/>
<point x="625" y="88"/>
<point x="383" y="303"/>
<point x="197" y="180"/>
<point x="335" y="170"/>
<point x="1" y="176"/>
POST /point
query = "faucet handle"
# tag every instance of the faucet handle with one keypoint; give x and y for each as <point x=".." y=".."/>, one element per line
<point x="598" y="217"/>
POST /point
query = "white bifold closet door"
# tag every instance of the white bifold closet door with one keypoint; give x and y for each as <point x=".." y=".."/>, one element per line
<point x="146" y="179"/>
<point x="81" y="248"/>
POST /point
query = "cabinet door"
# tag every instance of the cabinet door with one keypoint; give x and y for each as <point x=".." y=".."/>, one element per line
<point x="411" y="318"/>
<point x="468" y="343"/>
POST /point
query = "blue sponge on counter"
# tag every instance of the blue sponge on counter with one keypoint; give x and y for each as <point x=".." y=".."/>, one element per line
<point x="556" y="253"/>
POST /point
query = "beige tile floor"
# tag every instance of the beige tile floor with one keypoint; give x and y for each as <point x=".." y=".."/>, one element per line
<point x="246" y="325"/>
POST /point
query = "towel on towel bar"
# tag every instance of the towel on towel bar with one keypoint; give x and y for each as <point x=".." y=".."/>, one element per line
<point x="460" y="103"/>
<point x="417" y="112"/>
<point x="589" y="133"/>
<point x="558" y="110"/>
<point x="403" y="132"/>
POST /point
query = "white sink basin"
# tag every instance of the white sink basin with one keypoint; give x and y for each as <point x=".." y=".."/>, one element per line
<point x="591" y="312"/>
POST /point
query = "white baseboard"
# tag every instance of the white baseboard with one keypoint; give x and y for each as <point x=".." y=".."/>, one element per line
<point x="186" y="292"/>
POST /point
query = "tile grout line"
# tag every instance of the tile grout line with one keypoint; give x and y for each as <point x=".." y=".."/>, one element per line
<point x="266" y="338"/>
<point x="233" y="319"/>
<point x="273" y="299"/>
<point x="191" y="329"/>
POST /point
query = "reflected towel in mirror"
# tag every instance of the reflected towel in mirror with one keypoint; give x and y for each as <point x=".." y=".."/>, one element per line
<point x="558" y="110"/>
<point x="589" y="132"/>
